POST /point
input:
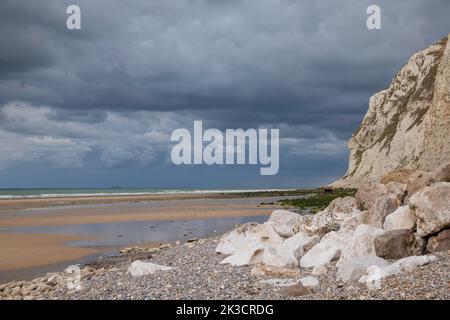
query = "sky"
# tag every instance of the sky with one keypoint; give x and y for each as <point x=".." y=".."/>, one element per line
<point x="96" y="107"/>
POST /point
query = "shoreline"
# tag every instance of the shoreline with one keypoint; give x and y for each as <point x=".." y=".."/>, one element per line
<point x="27" y="203"/>
<point x="123" y="212"/>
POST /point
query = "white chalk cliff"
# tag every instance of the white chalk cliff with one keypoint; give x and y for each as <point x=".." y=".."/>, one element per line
<point x="407" y="125"/>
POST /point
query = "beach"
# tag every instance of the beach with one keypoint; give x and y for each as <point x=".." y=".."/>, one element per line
<point x="117" y="243"/>
<point x="29" y="250"/>
<point x="47" y="232"/>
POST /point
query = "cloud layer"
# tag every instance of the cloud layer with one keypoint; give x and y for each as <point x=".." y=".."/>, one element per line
<point x="108" y="96"/>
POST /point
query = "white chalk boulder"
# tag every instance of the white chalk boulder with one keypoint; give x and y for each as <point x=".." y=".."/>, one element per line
<point x="285" y="223"/>
<point x="361" y="243"/>
<point x="400" y="266"/>
<point x="232" y="241"/>
<point x="328" y="249"/>
<point x="341" y="208"/>
<point x="400" y="219"/>
<point x="353" y="220"/>
<point x="140" y="268"/>
<point x="382" y="207"/>
<point x="290" y="251"/>
<point x="431" y="208"/>
<point x="250" y="248"/>
<point x="354" y="269"/>
<point x="310" y="282"/>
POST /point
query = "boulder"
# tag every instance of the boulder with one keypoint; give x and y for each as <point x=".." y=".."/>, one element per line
<point x="431" y="208"/>
<point x="299" y="244"/>
<point x="366" y="195"/>
<point x="330" y="218"/>
<point x="310" y="283"/>
<point x="328" y="249"/>
<point x="263" y="270"/>
<point x="320" y="223"/>
<point x="140" y="268"/>
<point x="417" y="181"/>
<point x="288" y="253"/>
<point x="361" y="243"/>
<point x="352" y="270"/>
<point x="353" y="220"/>
<point x="341" y="208"/>
<point x="401" y="218"/>
<point x="285" y="223"/>
<point x="441" y="242"/>
<point x="403" y="265"/>
<point x="251" y="252"/>
<point x="251" y="246"/>
<point x="397" y="188"/>
<point x="278" y="257"/>
<point x="311" y="242"/>
<point x="231" y="241"/>
<point x="396" y="244"/>
<point x="382" y="207"/>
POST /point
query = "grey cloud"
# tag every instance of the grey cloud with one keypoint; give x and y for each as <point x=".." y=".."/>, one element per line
<point x="172" y="55"/>
<point x="308" y="67"/>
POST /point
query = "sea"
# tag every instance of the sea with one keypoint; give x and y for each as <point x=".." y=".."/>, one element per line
<point x="86" y="192"/>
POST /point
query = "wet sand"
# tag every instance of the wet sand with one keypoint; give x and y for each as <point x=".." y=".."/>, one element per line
<point x="124" y="213"/>
<point x="25" y="203"/>
<point x="19" y="250"/>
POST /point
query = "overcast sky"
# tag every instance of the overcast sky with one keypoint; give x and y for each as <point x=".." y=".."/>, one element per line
<point x="95" y="107"/>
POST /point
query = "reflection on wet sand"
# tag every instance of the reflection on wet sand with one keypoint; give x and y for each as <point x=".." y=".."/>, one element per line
<point x="35" y="240"/>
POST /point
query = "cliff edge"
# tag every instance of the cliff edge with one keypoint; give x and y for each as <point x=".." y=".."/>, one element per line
<point x="407" y="125"/>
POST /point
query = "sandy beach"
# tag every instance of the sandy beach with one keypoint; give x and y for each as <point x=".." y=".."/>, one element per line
<point x="89" y="215"/>
<point x="34" y="248"/>
<point x="31" y="250"/>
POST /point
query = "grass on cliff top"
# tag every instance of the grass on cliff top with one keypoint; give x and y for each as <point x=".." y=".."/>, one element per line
<point x="317" y="201"/>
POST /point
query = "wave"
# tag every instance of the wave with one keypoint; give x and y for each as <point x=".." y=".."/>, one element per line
<point x="106" y="194"/>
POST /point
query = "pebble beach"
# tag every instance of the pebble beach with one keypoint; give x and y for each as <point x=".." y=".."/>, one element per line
<point x="198" y="274"/>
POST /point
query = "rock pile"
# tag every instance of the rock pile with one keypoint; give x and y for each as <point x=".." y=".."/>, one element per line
<point x="358" y="235"/>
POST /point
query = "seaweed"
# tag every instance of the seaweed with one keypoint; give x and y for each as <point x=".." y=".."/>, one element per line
<point x="318" y="201"/>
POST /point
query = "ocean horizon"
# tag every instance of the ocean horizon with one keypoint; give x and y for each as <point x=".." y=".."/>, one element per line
<point x="19" y="193"/>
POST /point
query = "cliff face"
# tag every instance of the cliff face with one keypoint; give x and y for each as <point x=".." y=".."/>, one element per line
<point x="407" y="125"/>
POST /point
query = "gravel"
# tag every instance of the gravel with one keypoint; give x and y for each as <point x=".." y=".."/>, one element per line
<point x="197" y="274"/>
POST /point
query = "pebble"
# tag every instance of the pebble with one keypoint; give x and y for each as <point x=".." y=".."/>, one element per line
<point x="295" y="290"/>
<point x="198" y="274"/>
<point x="319" y="270"/>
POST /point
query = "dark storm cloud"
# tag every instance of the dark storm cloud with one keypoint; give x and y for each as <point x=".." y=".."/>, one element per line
<point x="270" y="57"/>
<point x="306" y="67"/>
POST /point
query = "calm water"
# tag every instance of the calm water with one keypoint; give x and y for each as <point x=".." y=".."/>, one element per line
<point x="121" y="234"/>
